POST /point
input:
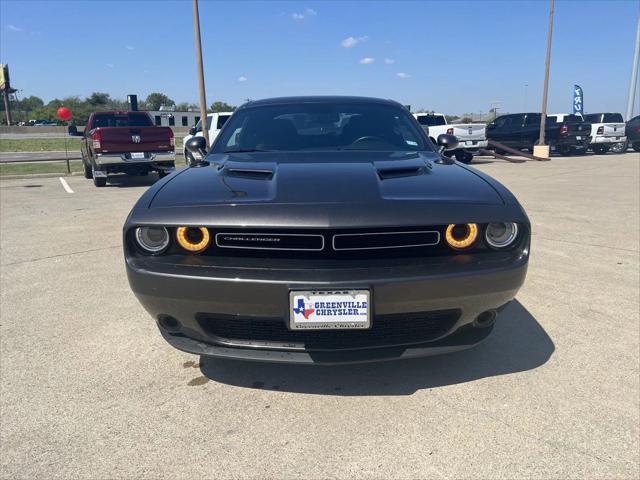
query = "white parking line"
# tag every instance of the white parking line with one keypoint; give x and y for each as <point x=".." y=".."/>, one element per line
<point x="65" y="185"/>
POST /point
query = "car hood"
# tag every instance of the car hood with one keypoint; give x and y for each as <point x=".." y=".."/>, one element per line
<point x="325" y="178"/>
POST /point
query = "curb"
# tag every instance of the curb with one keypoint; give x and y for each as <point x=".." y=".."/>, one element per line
<point x="38" y="175"/>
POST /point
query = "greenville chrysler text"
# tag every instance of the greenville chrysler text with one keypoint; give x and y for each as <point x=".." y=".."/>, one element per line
<point x="325" y="230"/>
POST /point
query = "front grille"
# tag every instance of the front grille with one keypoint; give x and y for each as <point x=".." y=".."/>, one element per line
<point x="386" y="330"/>
<point x="370" y="241"/>
<point x="271" y="241"/>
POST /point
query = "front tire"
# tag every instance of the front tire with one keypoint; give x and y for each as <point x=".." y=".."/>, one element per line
<point x="600" y="149"/>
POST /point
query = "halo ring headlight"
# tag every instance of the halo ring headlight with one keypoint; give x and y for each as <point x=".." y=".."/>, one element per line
<point x="152" y="239"/>
<point x="501" y="234"/>
<point x="193" y="239"/>
<point x="461" y="235"/>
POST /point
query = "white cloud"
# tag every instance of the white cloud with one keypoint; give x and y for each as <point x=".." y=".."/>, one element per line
<point x="110" y="65"/>
<point x="367" y="60"/>
<point x="129" y="47"/>
<point x="402" y="75"/>
<point x="14" y="28"/>
<point x="389" y="61"/>
<point x="308" y="12"/>
<point x="350" y="42"/>
<point x="242" y="78"/>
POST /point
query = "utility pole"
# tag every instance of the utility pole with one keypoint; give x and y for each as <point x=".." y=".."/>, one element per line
<point x="634" y="74"/>
<point x="203" y="97"/>
<point x="542" y="150"/>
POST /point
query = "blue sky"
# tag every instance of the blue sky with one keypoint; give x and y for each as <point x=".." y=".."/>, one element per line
<point x="453" y="57"/>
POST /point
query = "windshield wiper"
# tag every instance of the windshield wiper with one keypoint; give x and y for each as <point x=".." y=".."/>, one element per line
<point x="245" y="150"/>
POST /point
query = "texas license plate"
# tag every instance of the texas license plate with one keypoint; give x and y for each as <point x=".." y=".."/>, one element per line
<point x="137" y="155"/>
<point x="329" y="309"/>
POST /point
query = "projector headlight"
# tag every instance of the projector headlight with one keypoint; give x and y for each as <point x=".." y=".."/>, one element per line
<point x="152" y="239"/>
<point x="193" y="239"/>
<point x="462" y="235"/>
<point x="501" y="235"/>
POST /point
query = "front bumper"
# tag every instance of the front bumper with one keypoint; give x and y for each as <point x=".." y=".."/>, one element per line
<point x="187" y="289"/>
<point x="608" y="140"/>
<point x="472" y="144"/>
<point x="124" y="158"/>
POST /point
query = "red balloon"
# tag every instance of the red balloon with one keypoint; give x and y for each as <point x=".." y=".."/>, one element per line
<point x="64" y="113"/>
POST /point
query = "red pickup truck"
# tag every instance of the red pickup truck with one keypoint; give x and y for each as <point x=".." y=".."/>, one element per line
<point x="125" y="142"/>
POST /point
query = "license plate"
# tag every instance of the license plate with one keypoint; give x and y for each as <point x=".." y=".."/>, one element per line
<point x="329" y="310"/>
<point x="578" y="138"/>
<point x="136" y="155"/>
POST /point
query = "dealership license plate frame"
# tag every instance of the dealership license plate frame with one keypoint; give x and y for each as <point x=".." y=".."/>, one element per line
<point x="329" y="325"/>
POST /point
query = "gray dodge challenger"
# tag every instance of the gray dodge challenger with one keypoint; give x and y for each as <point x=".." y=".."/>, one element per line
<point x="325" y="230"/>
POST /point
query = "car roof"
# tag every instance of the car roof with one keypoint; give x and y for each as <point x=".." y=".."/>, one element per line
<point x="319" y="99"/>
<point x="432" y="114"/>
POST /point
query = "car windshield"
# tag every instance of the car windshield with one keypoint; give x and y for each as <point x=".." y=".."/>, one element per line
<point x="431" y="120"/>
<point x="321" y="126"/>
<point x="122" y="120"/>
<point x="612" y="118"/>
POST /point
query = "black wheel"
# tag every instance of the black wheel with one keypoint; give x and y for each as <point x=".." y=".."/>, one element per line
<point x="636" y="146"/>
<point x="564" y="150"/>
<point x="463" y="156"/>
<point x="99" y="181"/>
<point x="448" y="153"/>
<point x="620" y="147"/>
<point x="600" y="149"/>
<point x="88" y="173"/>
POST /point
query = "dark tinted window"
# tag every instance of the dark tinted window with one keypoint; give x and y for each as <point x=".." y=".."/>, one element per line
<point x="573" y="119"/>
<point x="321" y="126"/>
<point x="222" y="119"/>
<point x="517" y="119"/>
<point x="612" y="118"/>
<point x="593" y="118"/>
<point x="185" y="121"/>
<point x="125" y="119"/>
<point x="532" y="119"/>
<point x="552" y="119"/>
<point x="172" y="121"/>
<point x="431" y="120"/>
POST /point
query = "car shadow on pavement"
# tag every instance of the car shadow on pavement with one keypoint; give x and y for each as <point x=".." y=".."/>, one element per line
<point x="517" y="343"/>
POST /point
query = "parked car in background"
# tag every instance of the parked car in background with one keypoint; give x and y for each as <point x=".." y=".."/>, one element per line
<point x="43" y="123"/>
<point x="124" y="142"/>
<point x="566" y="134"/>
<point x="215" y="122"/>
<point x="632" y="130"/>
<point x="348" y="241"/>
<point x="607" y="130"/>
<point x="471" y="136"/>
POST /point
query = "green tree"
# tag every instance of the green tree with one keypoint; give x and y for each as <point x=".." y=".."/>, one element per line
<point x="219" y="106"/>
<point x="186" y="106"/>
<point x="155" y="100"/>
<point x="99" y="99"/>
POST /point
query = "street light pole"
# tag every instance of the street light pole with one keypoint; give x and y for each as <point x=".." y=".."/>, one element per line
<point x="634" y="74"/>
<point x="543" y="150"/>
<point x="203" y="98"/>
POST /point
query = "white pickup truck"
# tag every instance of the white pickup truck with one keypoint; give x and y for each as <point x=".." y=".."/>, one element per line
<point x="215" y="121"/>
<point x="471" y="136"/>
<point x="607" y="131"/>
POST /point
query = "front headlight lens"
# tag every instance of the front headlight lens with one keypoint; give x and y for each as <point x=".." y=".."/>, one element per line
<point x="152" y="239"/>
<point x="501" y="235"/>
<point x="461" y="235"/>
<point x="193" y="239"/>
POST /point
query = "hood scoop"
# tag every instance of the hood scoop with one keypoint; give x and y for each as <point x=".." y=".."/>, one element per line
<point x="249" y="170"/>
<point x="397" y="172"/>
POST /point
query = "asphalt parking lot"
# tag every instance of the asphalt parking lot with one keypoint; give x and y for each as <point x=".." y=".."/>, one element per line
<point x="90" y="390"/>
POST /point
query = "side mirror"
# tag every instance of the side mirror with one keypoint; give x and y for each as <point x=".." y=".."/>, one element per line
<point x="197" y="145"/>
<point x="192" y="131"/>
<point x="447" y="142"/>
